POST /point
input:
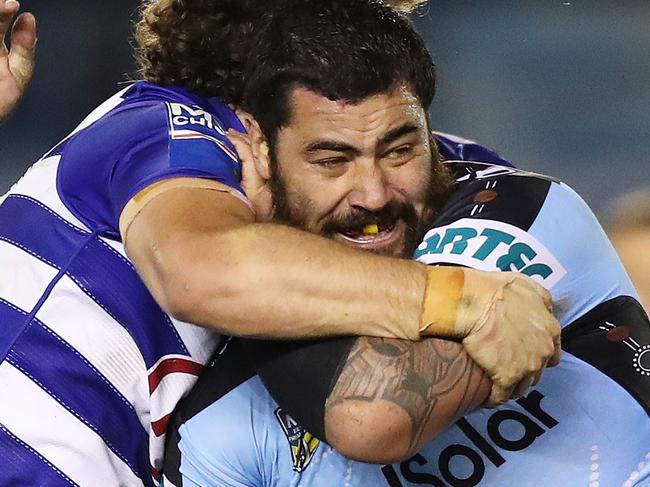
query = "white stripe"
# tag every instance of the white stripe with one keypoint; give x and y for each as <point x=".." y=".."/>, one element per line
<point x="169" y="391"/>
<point x="79" y="321"/>
<point x="32" y="415"/>
<point x="25" y="277"/>
<point x="200" y="342"/>
<point x="39" y="182"/>
<point x="163" y="402"/>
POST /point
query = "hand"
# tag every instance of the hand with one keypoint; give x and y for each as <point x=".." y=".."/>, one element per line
<point x="510" y="330"/>
<point x="17" y="64"/>
<point x="253" y="153"/>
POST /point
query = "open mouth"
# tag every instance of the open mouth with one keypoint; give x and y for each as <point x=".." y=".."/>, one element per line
<point x="372" y="234"/>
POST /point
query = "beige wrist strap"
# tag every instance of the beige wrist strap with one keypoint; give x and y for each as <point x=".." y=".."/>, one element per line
<point x="145" y="196"/>
<point x="441" y="302"/>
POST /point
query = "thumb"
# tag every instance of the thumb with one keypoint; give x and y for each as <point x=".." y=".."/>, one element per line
<point x="23" y="48"/>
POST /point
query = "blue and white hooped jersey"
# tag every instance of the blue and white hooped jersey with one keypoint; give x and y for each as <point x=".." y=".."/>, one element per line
<point x="585" y="424"/>
<point x="90" y="366"/>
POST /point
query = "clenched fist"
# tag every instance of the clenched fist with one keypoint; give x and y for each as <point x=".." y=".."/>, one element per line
<point x="505" y="322"/>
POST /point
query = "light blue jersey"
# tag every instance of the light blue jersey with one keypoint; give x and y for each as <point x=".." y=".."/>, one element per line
<point x="585" y="423"/>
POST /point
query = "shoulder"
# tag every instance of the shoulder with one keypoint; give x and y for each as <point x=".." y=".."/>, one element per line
<point x="143" y="107"/>
<point x="485" y="190"/>
<point x="505" y="219"/>
<point x="140" y="136"/>
<point x="454" y="148"/>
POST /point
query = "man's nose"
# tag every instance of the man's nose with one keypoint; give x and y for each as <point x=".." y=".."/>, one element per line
<point x="371" y="189"/>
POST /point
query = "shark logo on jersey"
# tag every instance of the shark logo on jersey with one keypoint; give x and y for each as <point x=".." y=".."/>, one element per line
<point x="302" y="444"/>
<point x="187" y="123"/>
<point x="490" y="245"/>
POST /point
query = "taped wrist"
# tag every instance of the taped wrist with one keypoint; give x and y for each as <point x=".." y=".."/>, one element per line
<point x="442" y="301"/>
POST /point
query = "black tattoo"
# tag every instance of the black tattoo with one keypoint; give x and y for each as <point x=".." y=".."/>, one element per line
<point x="419" y="377"/>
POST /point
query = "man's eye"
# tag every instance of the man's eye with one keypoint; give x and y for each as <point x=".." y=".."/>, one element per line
<point x="400" y="154"/>
<point x="402" y="150"/>
<point x="331" y="162"/>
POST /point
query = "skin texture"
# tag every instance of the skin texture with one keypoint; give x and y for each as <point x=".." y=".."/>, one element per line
<point x="17" y="64"/>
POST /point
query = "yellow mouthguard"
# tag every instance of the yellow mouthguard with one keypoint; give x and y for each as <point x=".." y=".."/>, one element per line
<point x="371" y="229"/>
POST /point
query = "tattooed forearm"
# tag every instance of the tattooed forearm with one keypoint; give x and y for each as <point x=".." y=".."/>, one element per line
<point x="433" y="381"/>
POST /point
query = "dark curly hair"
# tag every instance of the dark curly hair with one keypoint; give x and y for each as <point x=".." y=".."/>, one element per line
<point x="203" y="45"/>
<point x="344" y="50"/>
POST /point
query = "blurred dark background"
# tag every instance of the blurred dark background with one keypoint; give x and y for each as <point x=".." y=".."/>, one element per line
<point x="558" y="87"/>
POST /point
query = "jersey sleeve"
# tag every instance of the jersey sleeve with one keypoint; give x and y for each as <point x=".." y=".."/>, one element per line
<point x="105" y="165"/>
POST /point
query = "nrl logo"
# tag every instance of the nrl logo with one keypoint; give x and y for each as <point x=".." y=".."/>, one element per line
<point x="302" y="444"/>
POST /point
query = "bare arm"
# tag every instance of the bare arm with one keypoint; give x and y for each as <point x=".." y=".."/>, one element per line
<point x="207" y="262"/>
<point x="393" y="396"/>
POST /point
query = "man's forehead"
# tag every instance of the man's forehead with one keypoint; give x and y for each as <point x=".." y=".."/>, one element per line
<point x="398" y="105"/>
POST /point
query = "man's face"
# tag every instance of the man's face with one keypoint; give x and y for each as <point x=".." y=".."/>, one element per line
<point x="363" y="174"/>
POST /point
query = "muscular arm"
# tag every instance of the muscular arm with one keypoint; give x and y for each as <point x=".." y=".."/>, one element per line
<point x="206" y="262"/>
<point x="393" y="396"/>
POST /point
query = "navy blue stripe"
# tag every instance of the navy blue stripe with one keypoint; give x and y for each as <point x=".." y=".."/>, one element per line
<point x="21" y="465"/>
<point x="12" y="323"/>
<point x="79" y="387"/>
<point x="99" y="270"/>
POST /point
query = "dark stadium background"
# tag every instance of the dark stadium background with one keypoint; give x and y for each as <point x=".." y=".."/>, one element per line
<point x="559" y="87"/>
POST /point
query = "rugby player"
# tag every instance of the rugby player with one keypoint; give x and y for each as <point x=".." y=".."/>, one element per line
<point x="17" y="64"/>
<point x="136" y="225"/>
<point x="338" y="100"/>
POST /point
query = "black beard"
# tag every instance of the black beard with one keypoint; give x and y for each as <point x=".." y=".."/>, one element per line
<point x="438" y="190"/>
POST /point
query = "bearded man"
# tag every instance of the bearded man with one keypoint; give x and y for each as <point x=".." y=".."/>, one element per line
<point x="130" y="247"/>
<point x="345" y="151"/>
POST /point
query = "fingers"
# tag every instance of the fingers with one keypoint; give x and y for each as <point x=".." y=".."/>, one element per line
<point x="242" y="144"/>
<point x="557" y="353"/>
<point x="498" y="396"/>
<point x="23" y="35"/>
<point x="541" y="291"/>
<point x="522" y="387"/>
<point x="8" y="9"/>
<point x="23" y="49"/>
<point x="7" y="12"/>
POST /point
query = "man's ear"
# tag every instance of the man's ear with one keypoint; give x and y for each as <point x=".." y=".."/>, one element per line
<point x="259" y="144"/>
